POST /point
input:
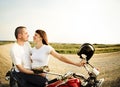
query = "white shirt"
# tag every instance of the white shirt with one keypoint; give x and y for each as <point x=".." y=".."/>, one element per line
<point x="40" y="57"/>
<point x="21" y="55"/>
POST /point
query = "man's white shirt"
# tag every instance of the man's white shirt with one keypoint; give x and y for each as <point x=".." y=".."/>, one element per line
<point x="21" y="55"/>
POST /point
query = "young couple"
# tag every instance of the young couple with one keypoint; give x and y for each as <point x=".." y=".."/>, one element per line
<point x="26" y="58"/>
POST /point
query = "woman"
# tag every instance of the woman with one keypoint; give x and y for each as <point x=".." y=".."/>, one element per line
<point x="41" y="51"/>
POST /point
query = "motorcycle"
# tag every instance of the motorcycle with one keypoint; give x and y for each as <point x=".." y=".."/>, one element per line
<point x="71" y="79"/>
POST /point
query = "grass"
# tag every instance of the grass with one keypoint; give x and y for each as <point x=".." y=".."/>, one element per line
<point x="70" y="48"/>
<point x="5" y="42"/>
<point x="73" y="48"/>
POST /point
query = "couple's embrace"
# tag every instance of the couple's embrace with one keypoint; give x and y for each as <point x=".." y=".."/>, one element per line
<point x="25" y="58"/>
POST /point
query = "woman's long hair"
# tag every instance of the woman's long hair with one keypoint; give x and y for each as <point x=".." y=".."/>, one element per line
<point x="43" y="34"/>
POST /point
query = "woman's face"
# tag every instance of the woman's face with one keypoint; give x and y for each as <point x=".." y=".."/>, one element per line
<point x="36" y="38"/>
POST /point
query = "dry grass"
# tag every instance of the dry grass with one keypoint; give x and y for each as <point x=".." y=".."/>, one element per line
<point x="5" y="60"/>
<point x="107" y="63"/>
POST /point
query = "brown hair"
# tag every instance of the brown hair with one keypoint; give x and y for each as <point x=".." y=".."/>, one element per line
<point x="43" y="34"/>
<point x="18" y="30"/>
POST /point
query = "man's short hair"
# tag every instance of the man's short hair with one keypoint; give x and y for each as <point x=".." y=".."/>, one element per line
<point x="18" y="30"/>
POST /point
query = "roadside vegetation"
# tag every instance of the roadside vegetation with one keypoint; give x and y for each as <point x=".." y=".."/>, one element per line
<point x="6" y="42"/>
<point x="71" y="48"/>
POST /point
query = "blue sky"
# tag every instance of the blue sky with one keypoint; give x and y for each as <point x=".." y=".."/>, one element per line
<point x="65" y="21"/>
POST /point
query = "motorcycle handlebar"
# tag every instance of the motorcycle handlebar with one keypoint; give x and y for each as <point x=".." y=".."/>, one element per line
<point x="79" y="76"/>
<point x="52" y="81"/>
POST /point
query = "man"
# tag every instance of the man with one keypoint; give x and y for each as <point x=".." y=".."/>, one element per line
<point x="20" y="54"/>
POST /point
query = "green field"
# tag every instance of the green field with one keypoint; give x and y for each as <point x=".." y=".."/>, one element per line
<point x="70" y="48"/>
<point x="73" y="48"/>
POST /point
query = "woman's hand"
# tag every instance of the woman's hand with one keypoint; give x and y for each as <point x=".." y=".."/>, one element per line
<point x="81" y="63"/>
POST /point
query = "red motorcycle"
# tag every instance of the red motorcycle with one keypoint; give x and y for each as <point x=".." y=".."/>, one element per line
<point x="71" y="79"/>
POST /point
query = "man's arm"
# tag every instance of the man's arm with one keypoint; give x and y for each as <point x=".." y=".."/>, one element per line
<point x="22" y="69"/>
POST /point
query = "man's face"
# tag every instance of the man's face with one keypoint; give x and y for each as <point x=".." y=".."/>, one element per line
<point x="24" y="35"/>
